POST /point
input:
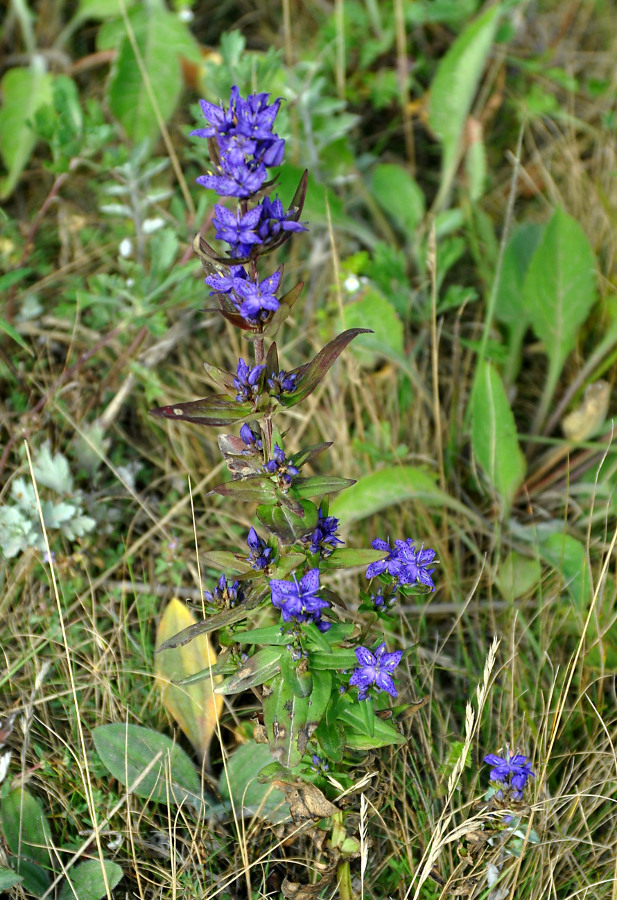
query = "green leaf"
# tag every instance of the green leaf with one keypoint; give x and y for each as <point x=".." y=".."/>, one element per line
<point x="126" y="750"/>
<point x="374" y="311"/>
<point x="227" y="562"/>
<point x="101" y="9"/>
<point x="347" y="557"/>
<point x="383" y="735"/>
<point x="8" y="878"/>
<point x="213" y="623"/>
<point x="318" y="485"/>
<point x="334" y="659"/>
<point x="87" y="881"/>
<point x="161" y="38"/>
<point x="216" y="410"/>
<point x="518" y="575"/>
<point x="509" y="307"/>
<point x="296" y="675"/>
<point x="569" y="557"/>
<point x="312" y="373"/>
<point x="23" y="92"/>
<point x="453" y="90"/>
<point x="559" y="291"/>
<point x="286" y="716"/>
<point x="387" y="487"/>
<point x="399" y="196"/>
<point x="287" y="525"/>
<point x="15" y="335"/>
<point x="253" y="489"/>
<point x="494" y="437"/>
<point x="271" y="635"/>
<point x="240" y="780"/>
<point x="258" y="669"/>
<point x="25" y="828"/>
<point x="35" y="879"/>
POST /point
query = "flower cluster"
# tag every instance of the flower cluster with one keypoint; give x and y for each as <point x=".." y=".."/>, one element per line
<point x="280" y="466"/>
<point x="260" y="555"/>
<point x="298" y="601"/>
<point x="511" y="772"/>
<point x="403" y="562"/>
<point x="246" y="381"/>
<point x="324" y="539"/>
<point x="226" y="595"/>
<point x="243" y="147"/>
<point x="374" y="670"/>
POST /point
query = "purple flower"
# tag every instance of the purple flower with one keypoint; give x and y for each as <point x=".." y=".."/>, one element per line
<point x="298" y="600"/>
<point x="236" y="180"/>
<point x="274" y="219"/>
<point x="226" y="595"/>
<point x="246" y="381"/>
<point x="403" y="562"/>
<point x="223" y="284"/>
<point x="280" y="466"/>
<point x="282" y="383"/>
<point x="324" y="540"/>
<point x="260" y="554"/>
<point x="238" y="230"/>
<point x="319" y="765"/>
<point x="375" y="669"/>
<point x="257" y="298"/>
<point x="251" y="439"/>
<point x="220" y="120"/>
<point x="382" y="565"/>
<point x="511" y="770"/>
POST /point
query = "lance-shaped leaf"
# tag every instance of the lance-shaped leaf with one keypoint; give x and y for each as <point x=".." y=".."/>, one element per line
<point x="283" y="522"/>
<point x="213" y="623"/>
<point x="193" y="707"/>
<point x="318" y="485"/>
<point x="257" y="670"/>
<point x="312" y="373"/>
<point x="347" y="558"/>
<point x="357" y="732"/>
<point x="304" y="456"/>
<point x="220" y="377"/>
<point x="333" y="659"/>
<point x="286" y="303"/>
<point x="231" y="562"/>
<point x="254" y="489"/>
<point x="286" y="716"/>
<point x="297" y="675"/>
<point x="271" y="635"/>
<point x="216" y="410"/>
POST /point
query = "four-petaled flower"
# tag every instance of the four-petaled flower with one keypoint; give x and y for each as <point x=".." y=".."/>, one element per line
<point x="375" y="669"/>
<point x="403" y="562"/>
<point x="256" y="299"/>
<point x="238" y="230"/>
<point x="260" y="555"/>
<point x="512" y="771"/>
<point x="246" y="381"/>
<point x="298" y="600"/>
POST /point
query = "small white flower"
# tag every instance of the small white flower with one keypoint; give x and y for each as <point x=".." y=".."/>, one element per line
<point x="130" y="282"/>
<point x="152" y="225"/>
<point x="186" y="14"/>
<point x="126" y="248"/>
<point x="351" y="284"/>
<point x="4" y="765"/>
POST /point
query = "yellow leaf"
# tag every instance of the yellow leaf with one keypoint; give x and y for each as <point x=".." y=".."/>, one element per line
<point x="193" y="706"/>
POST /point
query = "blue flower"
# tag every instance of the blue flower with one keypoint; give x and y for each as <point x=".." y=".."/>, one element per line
<point x="246" y="381"/>
<point x="226" y="595"/>
<point x="280" y="466"/>
<point x="375" y="669"/>
<point x="238" y="230"/>
<point x="282" y="383"/>
<point x="256" y="299"/>
<point x="224" y="284"/>
<point x="274" y="219"/>
<point x="324" y="540"/>
<point x="319" y="765"/>
<point x="403" y="562"/>
<point x="260" y="554"/>
<point x="298" y="600"/>
<point x="251" y="439"/>
<point x="512" y="771"/>
<point x="382" y="565"/>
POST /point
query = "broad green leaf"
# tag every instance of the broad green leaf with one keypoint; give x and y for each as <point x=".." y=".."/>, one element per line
<point x="453" y="90"/>
<point x="399" y="195"/>
<point x="286" y="717"/>
<point x="559" y="291"/>
<point x="286" y="524"/>
<point x="271" y="635"/>
<point x="8" y="878"/>
<point x="494" y="437"/>
<point x="296" y="675"/>
<point x="259" y="668"/>
<point x="569" y="557"/>
<point x="161" y="38"/>
<point x="374" y="311"/>
<point x="227" y="562"/>
<point x="334" y="659"/>
<point x="102" y="9"/>
<point x="193" y="706"/>
<point x="254" y="489"/>
<point x="383" y="735"/>
<point x="24" y="90"/>
<point x="509" y="307"/>
<point x="127" y="750"/>
<point x="388" y="487"/>
<point x="518" y="575"/>
<point x="25" y="828"/>
<point x="35" y="879"/>
<point x="251" y="797"/>
<point x="87" y="881"/>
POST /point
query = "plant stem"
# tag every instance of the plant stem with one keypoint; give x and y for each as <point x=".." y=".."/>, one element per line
<point x="343" y="877"/>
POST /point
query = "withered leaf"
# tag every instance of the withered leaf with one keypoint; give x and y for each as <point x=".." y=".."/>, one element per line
<point x="306" y="801"/>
